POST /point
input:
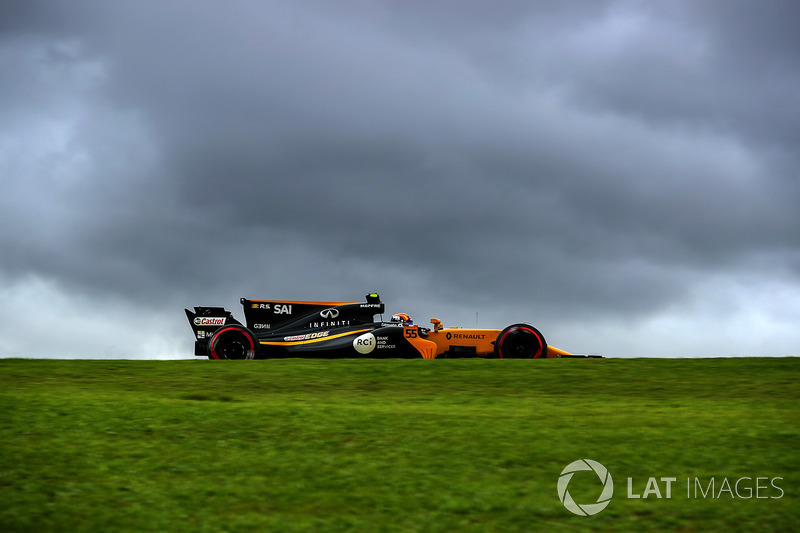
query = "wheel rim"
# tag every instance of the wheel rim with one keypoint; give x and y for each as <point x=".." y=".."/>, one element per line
<point x="234" y="348"/>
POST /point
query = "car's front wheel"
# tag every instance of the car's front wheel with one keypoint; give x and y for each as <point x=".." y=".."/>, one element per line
<point x="232" y="342"/>
<point x="520" y="341"/>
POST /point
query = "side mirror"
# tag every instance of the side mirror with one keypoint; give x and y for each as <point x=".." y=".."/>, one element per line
<point x="437" y="324"/>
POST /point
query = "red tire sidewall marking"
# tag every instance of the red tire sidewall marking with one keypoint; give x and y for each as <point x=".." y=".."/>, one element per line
<point x="500" y="343"/>
<point x="540" y="353"/>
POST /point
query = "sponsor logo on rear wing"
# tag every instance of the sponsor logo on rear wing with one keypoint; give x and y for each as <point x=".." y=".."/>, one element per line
<point x="209" y="321"/>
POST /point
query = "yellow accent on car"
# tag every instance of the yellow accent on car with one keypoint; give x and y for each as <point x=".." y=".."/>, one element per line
<point x="481" y="339"/>
<point x="556" y="352"/>
<point x="427" y="349"/>
<point x="307" y="341"/>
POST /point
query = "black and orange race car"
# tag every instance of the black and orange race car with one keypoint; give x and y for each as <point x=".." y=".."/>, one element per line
<point x="276" y="329"/>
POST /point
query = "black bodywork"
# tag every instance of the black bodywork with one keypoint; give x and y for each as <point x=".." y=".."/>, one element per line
<point x="275" y="329"/>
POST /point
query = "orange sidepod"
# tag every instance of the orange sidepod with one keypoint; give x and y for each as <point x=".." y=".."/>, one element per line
<point x="426" y="348"/>
<point x="482" y="339"/>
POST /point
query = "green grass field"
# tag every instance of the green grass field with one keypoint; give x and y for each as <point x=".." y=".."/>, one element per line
<point x="397" y="445"/>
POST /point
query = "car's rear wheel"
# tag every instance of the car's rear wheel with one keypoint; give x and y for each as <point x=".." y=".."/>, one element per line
<point x="232" y="342"/>
<point x="520" y="341"/>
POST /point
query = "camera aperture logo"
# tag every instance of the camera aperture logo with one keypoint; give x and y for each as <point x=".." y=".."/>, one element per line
<point x="587" y="509"/>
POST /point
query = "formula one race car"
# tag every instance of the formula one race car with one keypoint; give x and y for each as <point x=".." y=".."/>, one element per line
<point x="347" y="329"/>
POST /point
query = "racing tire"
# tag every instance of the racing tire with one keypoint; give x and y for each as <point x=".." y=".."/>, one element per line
<point x="520" y="341"/>
<point x="232" y="342"/>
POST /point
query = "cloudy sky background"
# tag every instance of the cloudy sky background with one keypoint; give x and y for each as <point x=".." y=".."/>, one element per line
<point x="624" y="175"/>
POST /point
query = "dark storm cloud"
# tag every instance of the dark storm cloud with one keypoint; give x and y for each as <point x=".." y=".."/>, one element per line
<point x="595" y="159"/>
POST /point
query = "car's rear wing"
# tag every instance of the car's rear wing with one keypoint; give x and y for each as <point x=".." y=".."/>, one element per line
<point x="205" y="321"/>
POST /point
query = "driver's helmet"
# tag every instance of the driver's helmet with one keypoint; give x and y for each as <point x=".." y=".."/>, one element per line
<point x="402" y="318"/>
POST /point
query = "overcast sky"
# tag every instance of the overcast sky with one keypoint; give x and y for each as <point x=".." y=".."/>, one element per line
<point x="625" y="175"/>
